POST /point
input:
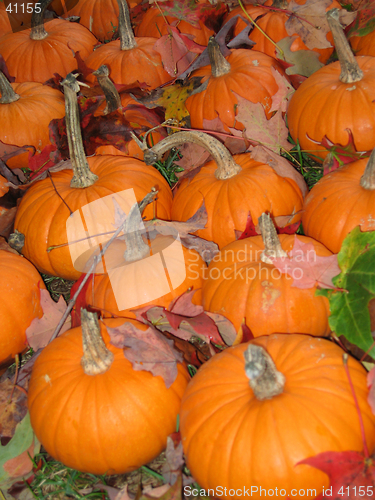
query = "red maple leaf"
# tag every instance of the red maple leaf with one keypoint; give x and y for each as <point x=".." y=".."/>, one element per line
<point x="364" y="23"/>
<point x="340" y="154"/>
<point x="351" y="474"/>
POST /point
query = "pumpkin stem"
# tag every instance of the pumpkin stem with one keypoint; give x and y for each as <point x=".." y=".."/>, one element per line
<point x="125" y="30"/>
<point x="350" y="71"/>
<point x="265" y="380"/>
<point x="38" y="31"/>
<point x="111" y="95"/>
<point x="7" y="93"/>
<point x="219" y="65"/>
<point x="136" y="248"/>
<point x="368" y="178"/>
<point x="272" y="245"/>
<point x="82" y="175"/>
<point x="96" y="357"/>
<point x="226" y="166"/>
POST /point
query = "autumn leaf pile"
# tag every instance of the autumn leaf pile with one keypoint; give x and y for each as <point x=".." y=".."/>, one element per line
<point x="244" y="132"/>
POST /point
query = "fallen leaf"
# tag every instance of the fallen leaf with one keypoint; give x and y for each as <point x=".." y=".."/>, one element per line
<point x="350" y="474"/>
<point x="301" y="62"/>
<point x="283" y="95"/>
<point x="40" y="331"/>
<point x="280" y="165"/>
<point x="306" y="267"/>
<point x="271" y="133"/>
<point x="340" y="154"/>
<point x="149" y="350"/>
<point x="364" y="23"/>
<point x="310" y="23"/>
<point x="177" y="51"/>
<point x="7" y="217"/>
<point x="174" y="456"/>
<point x="15" y="461"/>
<point x="174" y="492"/>
<point x="8" y="151"/>
<point x="12" y="412"/>
<point x="371" y="387"/>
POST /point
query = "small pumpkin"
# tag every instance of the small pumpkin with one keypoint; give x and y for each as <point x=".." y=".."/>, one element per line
<point x="231" y="188"/>
<point x="130" y="59"/>
<point x="363" y="45"/>
<point x="26" y="110"/>
<point x="243" y="285"/>
<point x="20" y="285"/>
<point x="254" y="411"/>
<point x="92" y="411"/>
<point x="155" y="23"/>
<point x="340" y="201"/>
<point x="69" y="190"/>
<point x="35" y="55"/>
<point x="248" y="73"/>
<point x="335" y="98"/>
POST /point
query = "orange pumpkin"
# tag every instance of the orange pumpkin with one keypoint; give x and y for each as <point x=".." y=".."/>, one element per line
<point x="243" y="285"/>
<point x="91" y="410"/>
<point x="245" y="72"/>
<point x="335" y="98"/>
<point x="363" y="45"/>
<point x="26" y="110"/>
<point x="339" y="202"/>
<point x="68" y="191"/>
<point x="35" y="55"/>
<point x="3" y="188"/>
<point x="129" y="59"/>
<point x="235" y="439"/>
<point x="272" y="22"/>
<point x="155" y="23"/>
<point x="231" y="188"/>
<point x="20" y="285"/>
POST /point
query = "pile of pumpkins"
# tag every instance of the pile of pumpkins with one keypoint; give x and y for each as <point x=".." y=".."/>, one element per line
<point x="256" y="410"/>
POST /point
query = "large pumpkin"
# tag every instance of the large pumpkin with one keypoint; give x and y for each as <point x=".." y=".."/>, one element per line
<point x="248" y="73"/>
<point x="231" y="188"/>
<point x="20" y="285"/>
<point x="129" y="59"/>
<point x="335" y="98"/>
<point x="235" y="439"/>
<point x="243" y="285"/>
<point x="44" y="210"/>
<point x="92" y="411"/>
<point x="339" y="202"/>
<point x="363" y="45"/>
<point x="35" y="55"/>
<point x="26" y="110"/>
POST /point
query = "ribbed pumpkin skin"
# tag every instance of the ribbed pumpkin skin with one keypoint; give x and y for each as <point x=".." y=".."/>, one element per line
<point x="100" y="294"/>
<point x="323" y="105"/>
<point x="42" y="215"/>
<point x="250" y="76"/>
<point x="142" y="63"/>
<point x="337" y="204"/>
<point x="110" y="423"/>
<point x="255" y="189"/>
<point x="363" y="45"/>
<point x="273" y="24"/>
<point x="153" y="24"/>
<point x="240" y="286"/>
<point x="25" y="122"/>
<point x="20" y="285"/>
<point x="37" y="60"/>
<point x="232" y="440"/>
